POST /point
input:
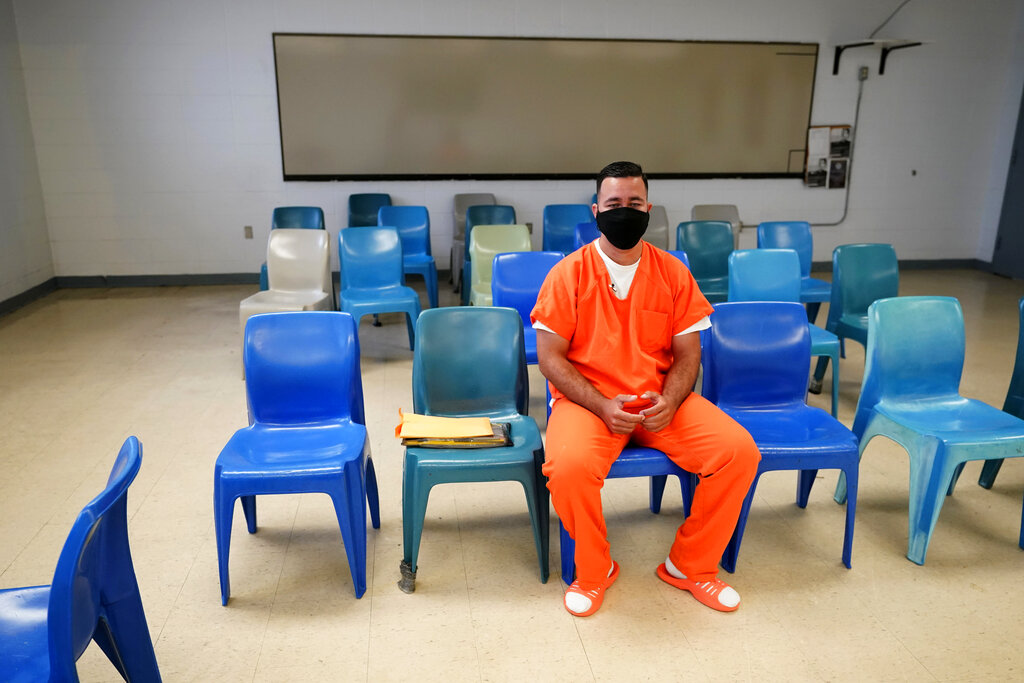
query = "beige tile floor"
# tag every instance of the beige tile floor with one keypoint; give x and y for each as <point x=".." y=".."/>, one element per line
<point x="82" y="369"/>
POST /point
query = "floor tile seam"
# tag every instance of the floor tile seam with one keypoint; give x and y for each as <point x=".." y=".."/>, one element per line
<point x="469" y="596"/>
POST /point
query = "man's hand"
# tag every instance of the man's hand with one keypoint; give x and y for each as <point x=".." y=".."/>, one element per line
<point x="617" y="419"/>
<point x="658" y="416"/>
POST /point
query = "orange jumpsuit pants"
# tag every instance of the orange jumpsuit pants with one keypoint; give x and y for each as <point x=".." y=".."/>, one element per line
<point x="700" y="438"/>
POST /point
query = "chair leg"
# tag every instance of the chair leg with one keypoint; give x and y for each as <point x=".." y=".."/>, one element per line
<point x="223" y="509"/>
<point x="812" y="310"/>
<point x="467" y="283"/>
<point x="852" y="475"/>
<point x="410" y="325"/>
<point x="927" y="488"/>
<point x="414" y="508"/>
<point x="657" y="490"/>
<point x="732" y="551"/>
<point x="988" y="473"/>
<point x="530" y="489"/>
<point x="956" y="477"/>
<point x="688" y="486"/>
<point x="835" y="386"/>
<point x="372" y="498"/>
<point x="128" y="643"/>
<point x="804" y="482"/>
<point x="819" y="372"/>
<point x="431" y="277"/>
<point x="567" y="549"/>
<point x="1021" y="542"/>
<point x="351" y="513"/>
<point x="249" y="510"/>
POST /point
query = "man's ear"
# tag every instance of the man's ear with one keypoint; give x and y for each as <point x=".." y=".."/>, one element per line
<point x="593" y="207"/>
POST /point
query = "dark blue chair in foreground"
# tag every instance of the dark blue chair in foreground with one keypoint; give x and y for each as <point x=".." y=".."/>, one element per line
<point x="363" y="207"/>
<point x="516" y="278"/>
<point x="413" y="224"/>
<point x="94" y="596"/>
<point x="757" y="357"/>
<point x="308" y="432"/>
<point x="774" y="275"/>
<point x="307" y="217"/>
<point x="911" y="394"/>
<point x="560" y="221"/>
<point x="484" y="376"/>
<point x="1014" y="405"/>
<point x="708" y="245"/>
<point x="371" y="276"/>
<point x="797" y="235"/>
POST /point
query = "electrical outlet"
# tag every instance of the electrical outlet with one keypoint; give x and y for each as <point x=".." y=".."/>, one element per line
<point x="863" y="74"/>
<point x="248" y="232"/>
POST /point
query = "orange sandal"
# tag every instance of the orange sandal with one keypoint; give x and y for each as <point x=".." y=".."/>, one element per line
<point x="593" y="597"/>
<point x="716" y="594"/>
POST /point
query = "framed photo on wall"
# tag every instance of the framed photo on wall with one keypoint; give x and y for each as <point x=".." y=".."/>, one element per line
<point x="828" y="156"/>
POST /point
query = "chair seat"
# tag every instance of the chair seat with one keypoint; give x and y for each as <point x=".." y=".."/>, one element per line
<point x="796" y="431"/>
<point x="275" y="301"/>
<point x="525" y="440"/>
<point x="417" y="261"/>
<point x="320" y="451"/>
<point x="379" y="298"/>
<point x="823" y="342"/>
<point x="812" y="290"/>
<point x="24" y="639"/>
<point x="714" y="289"/>
<point x="964" y="421"/>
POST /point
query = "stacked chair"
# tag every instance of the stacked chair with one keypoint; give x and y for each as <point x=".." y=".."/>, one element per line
<point x="364" y="207"/>
<point x="413" y="225"/>
<point x="300" y="217"/>
<point x="797" y="235"/>
<point x="719" y="212"/>
<point x="486" y="242"/>
<point x="481" y="214"/>
<point x="560" y="222"/>
<point x="458" y="250"/>
<point x="708" y="245"/>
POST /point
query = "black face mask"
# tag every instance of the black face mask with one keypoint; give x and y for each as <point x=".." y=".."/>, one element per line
<point x="623" y="226"/>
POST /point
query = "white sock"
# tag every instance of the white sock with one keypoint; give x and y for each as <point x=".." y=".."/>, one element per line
<point x="672" y="570"/>
<point x="578" y="602"/>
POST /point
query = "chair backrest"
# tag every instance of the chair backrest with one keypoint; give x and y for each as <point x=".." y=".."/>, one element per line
<point x="718" y="212"/>
<point x="915" y="350"/>
<point x="708" y="245"/>
<point x="757" y="355"/>
<point x="1014" y="403"/>
<point x="363" y="207"/>
<point x="470" y="360"/>
<point x="681" y="255"/>
<point x="560" y="221"/>
<point x="764" y="275"/>
<point x="413" y="223"/>
<point x="461" y="203"/>
<point x="788" y="235"/>
<point x="305" y="217"/>
<point x="487" y="214"/>
<point x="298" y="259"/>
<point x="862" y="274"/>
<point x="302" y="367"/>
<point x="586" y="233"/>
<point x="657" y="227"/>
<point x="95" y="569"/>
<point x="516" y="279"/>
<point x="370" y="257"/>
<point x="487" y="241"/>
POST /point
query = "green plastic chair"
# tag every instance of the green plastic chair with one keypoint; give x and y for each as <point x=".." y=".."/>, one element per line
<point x="708" y="245"/>
<point x="911" y="394"/>
<point x="774" y="275"/>
<point x="861" y="274"/>
<point x="486" y="242"/>
<point x="472" y="362"/>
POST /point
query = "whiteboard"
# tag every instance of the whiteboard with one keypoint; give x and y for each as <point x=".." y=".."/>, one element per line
<point x="358" y="107"/>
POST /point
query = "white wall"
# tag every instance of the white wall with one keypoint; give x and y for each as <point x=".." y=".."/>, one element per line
<point x="156" y="123"/>
<point x="25" y="259"/>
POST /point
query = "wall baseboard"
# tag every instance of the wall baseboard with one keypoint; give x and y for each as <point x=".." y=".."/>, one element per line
<point x="28" y="296"/>
<point x="923" y="264"/>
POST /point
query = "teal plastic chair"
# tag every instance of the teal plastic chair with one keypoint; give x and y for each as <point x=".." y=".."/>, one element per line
<point x="911" y="394"/>
<point x="774" y="275"/>
<point x="797" y="235"/>
<point x="486" y="377"/>
<point x="363" y="207"/>
<point x="481" y="214"/>
<point x="756" y="358"/>
<point x="413" y="224"/>
<point x="94" y="596"/>
<point x="371" y="276"/>
<point x="1014" y="405"/>
<point x="305" y="217"/>
<point x="560" y="221"/>
<point x="708" y="245"/>
<point x="861" y="274"/>
<point x="307" y="431"/>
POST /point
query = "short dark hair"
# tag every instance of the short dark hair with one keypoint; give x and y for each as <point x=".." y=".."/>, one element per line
<point x="621" y="169"/>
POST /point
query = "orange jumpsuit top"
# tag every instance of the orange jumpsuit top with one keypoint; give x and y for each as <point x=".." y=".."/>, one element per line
<point x="620" y="346"/>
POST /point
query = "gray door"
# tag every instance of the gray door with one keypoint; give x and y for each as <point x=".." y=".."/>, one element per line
<point x="1008" y="256"/>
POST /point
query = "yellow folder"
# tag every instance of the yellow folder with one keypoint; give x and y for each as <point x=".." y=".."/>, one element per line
<point x="415" y="426"/>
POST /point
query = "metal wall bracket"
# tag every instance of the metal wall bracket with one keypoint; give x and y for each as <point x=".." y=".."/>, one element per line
<point x="887" y="45"/>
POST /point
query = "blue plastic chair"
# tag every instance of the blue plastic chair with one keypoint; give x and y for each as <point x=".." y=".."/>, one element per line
<point x="371" y="276"/>
<point x="486" y="377"/>
<point x="413" y="224"/>
<point x="516" y="278"/>
<point x="758" y="353"/>
<point x="708" y="245"/>
<point x="585" y="233"/>
<point x="481" y="214"/>
<point x="94" y="596"/>
<point x="774" y="275"/>
<point x="560" y="221"/>
<point x="460" y="203"/>
<point x="307" y="431"/>
<point x="861" y="274"/>
<point x="797" y="235"/>
<point x="307" y="217"/>
<point x="363" y="207"/>
<point x="1014" y="405"/>
<point x="911" y="394"/>
<point x="633" y="461"/>
<point x="681" y="255"/>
